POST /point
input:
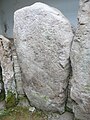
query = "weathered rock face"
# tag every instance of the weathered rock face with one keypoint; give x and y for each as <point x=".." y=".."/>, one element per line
<point x="80" y="59"/>
<point x="17" y="72"/>
<point x="43" y="38"/>
<point x="65" y="116"/>
<point x="7" y="71"/>
<point x="7" y="64"/>
<point x="10" y="75"/>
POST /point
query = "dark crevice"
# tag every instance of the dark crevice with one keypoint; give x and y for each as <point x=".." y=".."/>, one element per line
<point x="67" y="89"/>
<point x="67" y="108"/>
<point x="2" y="91"/>
<point x="86" y="1"/>
<point x="61" y="65"/>
<point x="2" y="44"/>
<point x="5" y="28"/>
<point x="26" y="97"/>
<point x="82" y="23"/>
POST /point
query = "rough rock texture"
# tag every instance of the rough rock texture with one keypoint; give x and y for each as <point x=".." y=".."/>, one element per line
<point x="11" y="86"/>
<point x="43" y="38"/>
<point x="0" y="79"/>
<point x="7" y="65"/>
<point x="17" y="72"/>
<point x="65" y="116"/>
<point x="22" y="100"/>
<point x="80" y="60"/>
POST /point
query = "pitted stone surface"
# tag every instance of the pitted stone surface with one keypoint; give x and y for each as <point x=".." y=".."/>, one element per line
<point x="43" y="38"/>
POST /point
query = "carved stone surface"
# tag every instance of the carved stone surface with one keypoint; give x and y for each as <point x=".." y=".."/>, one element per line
<point x="43" y="38"/>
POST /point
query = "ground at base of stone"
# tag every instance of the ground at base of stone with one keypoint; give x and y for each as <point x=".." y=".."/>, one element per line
<point x="30" y="113"/>
<point x="20" y="113"/>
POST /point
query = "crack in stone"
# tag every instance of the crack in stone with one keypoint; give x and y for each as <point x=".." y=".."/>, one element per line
<point x="86" y="1"/>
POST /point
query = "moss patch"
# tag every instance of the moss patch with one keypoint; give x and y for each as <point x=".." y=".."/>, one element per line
<point x="20" y="113"/>
<point x="10" y="100"/>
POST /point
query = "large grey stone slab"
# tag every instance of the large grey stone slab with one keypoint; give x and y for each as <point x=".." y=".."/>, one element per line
<point x="42" y="37"/>
<point x="80" y="60"/>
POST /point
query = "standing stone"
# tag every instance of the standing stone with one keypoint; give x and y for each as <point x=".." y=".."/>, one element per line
<point x="7" y="70"/>
<point x="80" y="60"/>
<point x="43" y="38"/>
